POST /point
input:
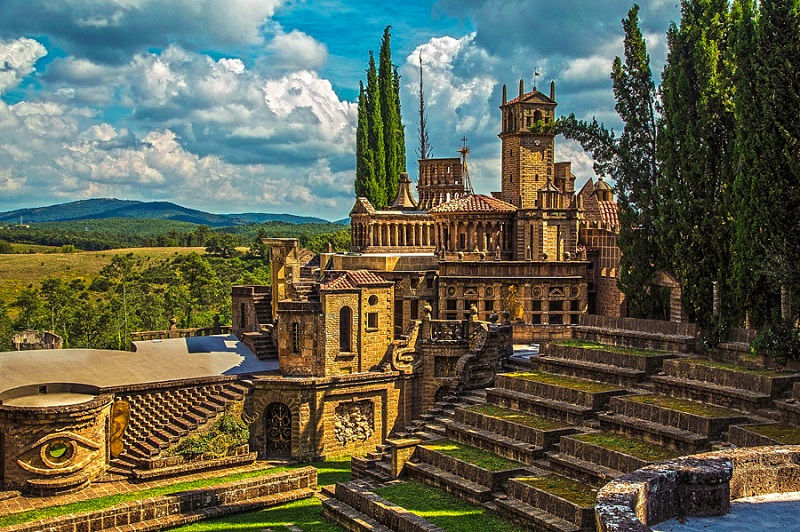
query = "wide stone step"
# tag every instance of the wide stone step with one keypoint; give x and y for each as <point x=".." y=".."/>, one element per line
<point x="495" y="443"/>
<point x="707" y="392"/>
<point x="560" y="411"/>
<point x="533" y="517"/>
<point x="349" y="518"/>
<point x="590" y="370"/>
<point x="458" y="486"/>
<point x="573" y="467"/>
<point x="671" y="437"/>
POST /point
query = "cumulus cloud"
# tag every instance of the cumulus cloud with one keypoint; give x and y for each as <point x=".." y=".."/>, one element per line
<point x="109" y="30"/>
<point x="293" y="51"/>
<point x="17" y="59"/>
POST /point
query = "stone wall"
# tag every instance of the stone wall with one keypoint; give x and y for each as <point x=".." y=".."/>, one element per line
<point x="53" y="449"/>
<point x="700" y="485"/>
<point x="155" y="513"/>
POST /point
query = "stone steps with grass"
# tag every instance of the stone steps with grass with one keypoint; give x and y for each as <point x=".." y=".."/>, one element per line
<point x="550" y="502"/>
<point x="591" y="360"/>
<point x="761" y="434"/>
<point x="723" y="384"/>
<point x="790" y="408"/>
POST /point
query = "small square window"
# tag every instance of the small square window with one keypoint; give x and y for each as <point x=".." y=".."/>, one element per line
<point x="451" y="304"/>
<point x="536" y="306"/>
<point x="429" y="282"/>
<point x="414" y="310"/>
<point x="372" y="320"/>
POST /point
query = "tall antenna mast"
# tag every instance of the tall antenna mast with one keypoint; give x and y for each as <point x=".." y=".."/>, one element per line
<point x="464" y="151"/>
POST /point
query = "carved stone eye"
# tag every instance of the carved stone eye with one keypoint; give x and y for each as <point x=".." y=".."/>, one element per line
<point x="58" y="453"/>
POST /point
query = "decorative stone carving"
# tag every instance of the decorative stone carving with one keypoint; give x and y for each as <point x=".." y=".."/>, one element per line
<point x="404" y="355"/>
<point x="120" y="416"/>
<point x="354" y="422"/>
<point x="511" y="304"/>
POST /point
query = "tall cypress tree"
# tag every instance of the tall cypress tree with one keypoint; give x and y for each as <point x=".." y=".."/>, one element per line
<point x="630" y="160"/>
<point x="389" y="114"/>
<point x="365" y="184"/>
<point x="375" y="140"/>
<point x="779" y="140"/>
<point x="696" y="141"/>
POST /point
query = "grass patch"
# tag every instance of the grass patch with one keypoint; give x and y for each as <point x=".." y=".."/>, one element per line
<point x="586" y="344"/>
<point x="529" y="420"/>
<point x="636" y="448"/>
<point x="575" y="492"/>
<point x="305" y="514"/>
<point x="781" y="432"/>
<point x="473" y="455"/>
<point x="686" y="406"/>
<point x="566" y="382"/>
<point x="442" y="509"/>
<point x="328" y="473"/>
<point x="737" y="368"/>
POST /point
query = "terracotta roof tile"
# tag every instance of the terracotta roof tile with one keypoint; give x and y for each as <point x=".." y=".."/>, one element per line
<point x="353" y="279"/>
<point x="475" y="203"/>
<point x="608" y="212"/>
<point x="528" y="95"/>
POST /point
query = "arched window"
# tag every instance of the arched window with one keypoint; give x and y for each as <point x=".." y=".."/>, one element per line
<point x="345" y="329"/>
<point x="537" y="116"/>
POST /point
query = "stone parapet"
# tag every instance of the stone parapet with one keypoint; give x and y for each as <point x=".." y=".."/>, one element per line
<point x="700" y="485"/>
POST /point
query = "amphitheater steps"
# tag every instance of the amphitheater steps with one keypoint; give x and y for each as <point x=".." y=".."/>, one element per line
<point x="543" y="509"/>
<point x="533" y="517"/>
<point x="724" y="396"/>
<point x="590" y="370"/>
<point x="576" y="468"/>
<point x="451" y="483"/>
<point x="790" y="408"/>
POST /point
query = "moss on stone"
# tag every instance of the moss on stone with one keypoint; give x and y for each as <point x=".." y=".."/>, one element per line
<point x="586" y="344"/>
<point x="780" y="432"/>
<point x="566" y="382"/>
<point x="473" y="455"/>
<point x="636" y="448"/>
<point x="529" y="420"/>
<point x="685" y="406"/>
<point x="737" y="368"/>
<point x="571" y="490"/>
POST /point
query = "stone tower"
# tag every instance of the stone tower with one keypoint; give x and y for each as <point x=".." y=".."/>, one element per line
<point x="527" y="139"/>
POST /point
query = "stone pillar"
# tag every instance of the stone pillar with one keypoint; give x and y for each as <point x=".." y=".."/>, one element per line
<point x="371" y="235"/>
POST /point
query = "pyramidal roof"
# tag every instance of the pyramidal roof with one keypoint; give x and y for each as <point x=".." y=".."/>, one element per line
<point x="475" y="203"/>
<point x="353" y="279"/>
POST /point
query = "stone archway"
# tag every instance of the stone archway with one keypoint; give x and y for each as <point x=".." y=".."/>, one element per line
<point x="278" y="431"/>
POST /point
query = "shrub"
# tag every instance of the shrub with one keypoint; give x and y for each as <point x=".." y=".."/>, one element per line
<point x="780" y="341"/>
<point x="229" y="431"/>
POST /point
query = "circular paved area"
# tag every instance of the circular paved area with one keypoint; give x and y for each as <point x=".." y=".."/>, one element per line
<point x="776" y="512"/>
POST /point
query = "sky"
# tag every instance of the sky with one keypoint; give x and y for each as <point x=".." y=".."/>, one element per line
<point x="233" y="106"/>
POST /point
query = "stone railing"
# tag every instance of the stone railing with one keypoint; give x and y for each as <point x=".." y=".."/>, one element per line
<point x="700" y="485"/>
<point x="144" y="336"/>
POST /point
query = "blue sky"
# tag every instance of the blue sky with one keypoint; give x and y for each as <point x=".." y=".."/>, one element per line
<point x="250" y="105"/>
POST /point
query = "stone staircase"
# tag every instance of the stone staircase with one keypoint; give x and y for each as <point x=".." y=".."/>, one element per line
<point x="161" y="418"/>
<point x="261" y="343"/>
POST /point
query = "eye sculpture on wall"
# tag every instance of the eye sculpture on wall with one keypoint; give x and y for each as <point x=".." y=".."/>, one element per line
<point x="58" y="453"/>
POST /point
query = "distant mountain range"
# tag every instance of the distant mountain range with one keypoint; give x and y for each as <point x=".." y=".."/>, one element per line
<point x="94" y="209"/>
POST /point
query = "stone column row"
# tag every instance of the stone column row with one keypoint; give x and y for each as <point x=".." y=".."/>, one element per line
<point x="483" y="235"/>
<point x="400" y="234"/>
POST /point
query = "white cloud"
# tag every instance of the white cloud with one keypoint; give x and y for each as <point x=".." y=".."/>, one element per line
<point x="295" y="50"/>
<point x="17" y="60"/>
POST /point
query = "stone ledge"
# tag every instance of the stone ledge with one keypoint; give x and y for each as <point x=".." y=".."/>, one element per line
<point x="699" y="485"/>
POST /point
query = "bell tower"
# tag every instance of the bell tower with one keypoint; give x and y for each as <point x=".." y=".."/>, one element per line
<point x="527" y="136"/>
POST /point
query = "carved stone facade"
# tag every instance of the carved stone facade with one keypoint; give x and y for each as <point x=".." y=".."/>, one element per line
<point x="354" y="422"/>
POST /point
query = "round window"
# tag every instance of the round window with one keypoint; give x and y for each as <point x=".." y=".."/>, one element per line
<point x="58" y="452"/>
<point x="373" y="300"/>
<point x="451" y="291"/>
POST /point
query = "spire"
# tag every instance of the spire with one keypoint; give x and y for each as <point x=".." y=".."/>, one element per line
<point x="521" y="88"/>
<point x="464" y="151"/>
<point x="553" y="90"/>
<point x="404" y="200"/>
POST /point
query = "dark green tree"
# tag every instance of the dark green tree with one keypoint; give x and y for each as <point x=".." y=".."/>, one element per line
<point x="389" y="107"/>
<point x="375" y="140"/>
<point x="695" y="151"/>
<point x="365" y="184"/>
<point x="400" y="139"/>
<point x="630" y="160"/>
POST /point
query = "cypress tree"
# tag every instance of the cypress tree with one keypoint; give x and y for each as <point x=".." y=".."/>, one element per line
<point x="389" y="107"/>
<point x="630" y="160"/>
<point x="365" y="183"/>
<point x="375" y="140"/>
<point x="695" y="144"/>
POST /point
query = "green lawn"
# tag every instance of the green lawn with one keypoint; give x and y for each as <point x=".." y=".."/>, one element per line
<point x="473" y="455"/>
<point x="586" y="344"/>
<point x="443" y="509"/>
<point x="565" y="382"/>
<point x="329" y="473"/>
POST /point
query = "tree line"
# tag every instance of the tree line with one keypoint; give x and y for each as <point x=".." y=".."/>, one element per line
<point x="707" y="164"/>
<point x="380" y="134"/>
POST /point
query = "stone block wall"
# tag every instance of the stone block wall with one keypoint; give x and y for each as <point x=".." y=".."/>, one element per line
<point x="54" y="449"/>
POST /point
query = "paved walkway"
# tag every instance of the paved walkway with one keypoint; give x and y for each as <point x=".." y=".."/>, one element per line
<point x="777" y="512"/>
<point x="101" y="489"/>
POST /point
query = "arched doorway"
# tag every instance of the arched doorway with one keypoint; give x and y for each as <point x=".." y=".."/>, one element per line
<point x="278" y="429"/>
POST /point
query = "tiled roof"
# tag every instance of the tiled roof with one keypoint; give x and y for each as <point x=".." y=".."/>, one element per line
<point x="608" y="212"/>
<point x="475" y="203"/>
<point x="353" y="279"/>
<point x="529" y="95"/>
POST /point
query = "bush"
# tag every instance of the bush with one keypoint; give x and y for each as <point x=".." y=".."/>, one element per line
<point x="230" y="431"/>
<point x="780" y="341"/>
